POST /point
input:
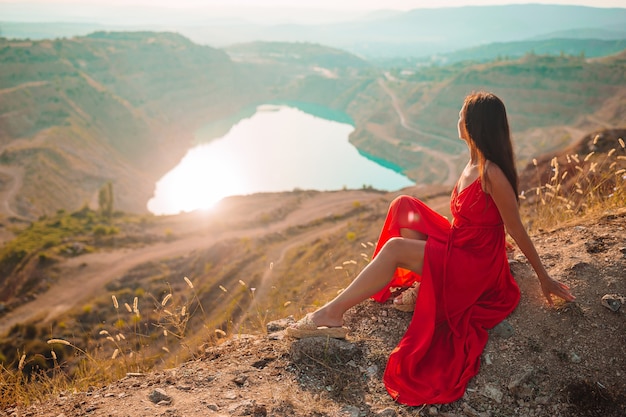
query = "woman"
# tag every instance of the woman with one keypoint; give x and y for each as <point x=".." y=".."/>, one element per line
<point x="461" y="269"/>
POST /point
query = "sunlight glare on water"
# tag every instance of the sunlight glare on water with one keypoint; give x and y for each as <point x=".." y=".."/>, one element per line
<point x="277" y="149"/>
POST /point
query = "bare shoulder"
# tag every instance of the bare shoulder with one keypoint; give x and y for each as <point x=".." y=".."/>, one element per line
<point x="496" y="180"/>
<point x="492" y="170"/>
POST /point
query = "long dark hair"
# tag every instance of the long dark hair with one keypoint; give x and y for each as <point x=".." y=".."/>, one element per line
<point x="487" y="126"/>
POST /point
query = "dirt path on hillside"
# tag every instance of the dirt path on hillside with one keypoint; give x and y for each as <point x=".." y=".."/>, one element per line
<point x="447" y="159"/>
<point x="23" y="85"/>
<point x="15" y="173"/>
<point x="86" y="276"/>
<point x="8" y="193"/>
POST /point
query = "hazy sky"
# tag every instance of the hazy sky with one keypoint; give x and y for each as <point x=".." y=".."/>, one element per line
<point x="188" y="12"/>
<point x="325" y="4"/>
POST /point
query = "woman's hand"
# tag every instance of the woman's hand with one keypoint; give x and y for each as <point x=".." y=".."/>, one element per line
<point x="550" y="286"/>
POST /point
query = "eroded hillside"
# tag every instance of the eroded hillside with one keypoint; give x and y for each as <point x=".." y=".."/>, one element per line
<point x="122" y="107"/>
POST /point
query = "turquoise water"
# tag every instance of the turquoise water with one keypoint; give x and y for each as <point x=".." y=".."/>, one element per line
<point x="272" y="148"/>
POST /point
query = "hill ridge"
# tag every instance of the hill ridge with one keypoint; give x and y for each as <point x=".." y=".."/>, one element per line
<point x="100" y="98"/>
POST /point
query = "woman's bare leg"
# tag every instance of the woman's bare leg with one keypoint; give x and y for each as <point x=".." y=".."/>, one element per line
<point x="397" y="252"/>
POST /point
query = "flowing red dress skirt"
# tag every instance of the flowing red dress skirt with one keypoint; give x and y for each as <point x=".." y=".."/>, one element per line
<point x="466" y="288"/>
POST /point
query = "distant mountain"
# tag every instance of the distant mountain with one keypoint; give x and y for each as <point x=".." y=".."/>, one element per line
<point x="425" y="32"/>
<point x="618" y="32"/>
<point x="589" y="48"/>
<point x="383" y="34"/>
<point x="298" y="53"/>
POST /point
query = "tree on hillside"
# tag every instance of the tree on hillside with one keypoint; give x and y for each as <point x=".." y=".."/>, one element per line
<point x="105" y="199"/>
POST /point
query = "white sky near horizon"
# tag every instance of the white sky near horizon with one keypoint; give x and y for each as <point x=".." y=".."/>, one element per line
<point x="360" y="5"/>
<point x="186" y="12"/>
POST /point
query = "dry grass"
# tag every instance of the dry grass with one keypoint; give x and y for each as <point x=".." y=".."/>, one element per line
<point x="579" y="187"/>
<point x="173" y="328"/>
<point x="123" y="347"/>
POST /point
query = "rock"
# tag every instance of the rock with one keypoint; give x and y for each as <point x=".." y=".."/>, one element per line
<point x="574" y="358"/>
<point x="243" y="336"/>
<point x="245" y="408"/>
<point x="280" y="335"/>
<point x="503" y="330"/>
<point x="470" y="412"/>
<point x="159" y="395"/>
<point x="259" y="410"/>
<point x="230" y="395"/>
<point x="492" y="392"/>
<point x="262" y="363"/>
<point x="543" y="400"/>
<point x="520" y="258"/>
<point x="248" y="408"/>
<point x="371" y="371"/>
<point x="240" y="379"/>
<point x="387" y="412"/>
<point x="323" y="348"/>
<point x="595" y="246"/>
<point x="613" y="301"/>
<point x="518" y="386"/>
<point x="279" y="325"/>
<point x="350" y="411"/>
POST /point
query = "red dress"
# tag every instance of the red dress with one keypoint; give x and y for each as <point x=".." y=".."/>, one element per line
<point x="466" y="288"/>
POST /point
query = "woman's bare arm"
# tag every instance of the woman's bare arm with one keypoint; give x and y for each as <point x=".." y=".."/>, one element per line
<point x="503" y="195"/>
